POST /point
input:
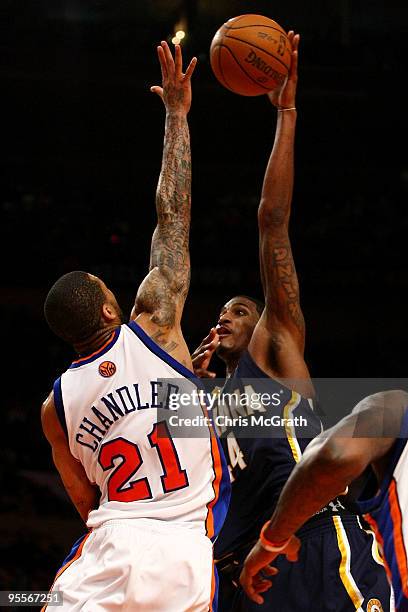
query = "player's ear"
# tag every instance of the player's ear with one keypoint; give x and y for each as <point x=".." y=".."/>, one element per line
<point x="109" y="312"/>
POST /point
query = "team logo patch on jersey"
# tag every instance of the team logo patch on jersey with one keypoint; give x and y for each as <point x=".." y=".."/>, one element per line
<point x="107" y="369"/>
<point x="374" y="605"/>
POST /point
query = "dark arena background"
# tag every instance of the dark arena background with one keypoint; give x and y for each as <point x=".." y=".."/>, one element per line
<point x="81" y="142"/>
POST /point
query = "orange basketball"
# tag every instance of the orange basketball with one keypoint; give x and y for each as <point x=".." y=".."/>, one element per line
<point x="251" y="55"/>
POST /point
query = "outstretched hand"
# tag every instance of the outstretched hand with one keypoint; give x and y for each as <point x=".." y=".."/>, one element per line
<point x="202" y="355"/>
<point x="176" y="84"/>
<point x="257" y="568"/>
<point x="285" y="97"/>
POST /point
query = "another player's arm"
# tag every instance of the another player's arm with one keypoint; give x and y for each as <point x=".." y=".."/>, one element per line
<point x="329" y="464"/>
<point x="161" y="296"/>
<point x="83" y="494"/>
<point x="281" y="327"/>
<point x="332" y="461"/>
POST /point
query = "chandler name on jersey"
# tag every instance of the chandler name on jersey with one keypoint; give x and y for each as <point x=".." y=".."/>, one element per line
<point x="109" y="405"/>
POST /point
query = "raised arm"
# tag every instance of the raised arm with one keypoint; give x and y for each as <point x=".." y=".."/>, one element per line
<point x="281" y="327"/>
<point x="330" y="463"/>
<point x="161" y="296"/>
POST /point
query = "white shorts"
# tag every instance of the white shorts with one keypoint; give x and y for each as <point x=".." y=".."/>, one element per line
<point x="139" y="564"/>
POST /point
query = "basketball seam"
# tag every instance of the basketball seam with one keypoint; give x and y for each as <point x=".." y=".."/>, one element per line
<point x="237" y="19"/>
<point x="256" y="25"/>
<point x="240" y="17"/>
<point x="243" y="70"/>
<point x="221" y="70"/>
<point x="260" y="49"/>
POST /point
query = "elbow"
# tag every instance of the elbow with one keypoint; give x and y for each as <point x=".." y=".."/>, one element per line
<point x="274" y="216"/>
<point x="339" y="458"/>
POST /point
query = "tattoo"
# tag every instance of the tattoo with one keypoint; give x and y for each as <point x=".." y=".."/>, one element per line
<point x="169" y="347"/>
<point x="284" y="269"/>
<point x="169" y="277"/>
<point x="275" y="347"/>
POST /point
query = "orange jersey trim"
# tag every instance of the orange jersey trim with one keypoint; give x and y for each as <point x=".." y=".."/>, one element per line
<point x="399" y="547"/>
<point x="96" y="352"/>
<point x="217" y="466"/>
<point x="66" y="566"/>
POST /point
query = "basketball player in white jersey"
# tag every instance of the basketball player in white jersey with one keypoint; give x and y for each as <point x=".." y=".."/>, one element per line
<point x="375" y="434"/>
<point x="152" y="503"/>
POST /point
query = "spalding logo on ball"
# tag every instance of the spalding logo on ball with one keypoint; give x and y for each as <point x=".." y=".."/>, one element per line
<point x="251" y="55"/>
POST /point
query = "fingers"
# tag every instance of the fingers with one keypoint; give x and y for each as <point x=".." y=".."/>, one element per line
<point x="201" y="373"/>
<point x="202" y="359"/>
<point x="178" y="64"/>
<point x="211" y="346"/>
<point x="274" y="96"/>
<point x="269" y="570"/>
<point x="170" y="66"/>
<point x="210" y="336"/>
<point x="209" y="342"/>
<point x="190" y="69"/>
<point x="162" y="62"/>
<point x="294" y="63"/>
<point x="292" y="556"/>
<point x="157" y="90"/>
<point x="205" y="353"/>
<point x="252" y="594"/>
<point x="260" y="586"/>
<point x="293" y="39"/>
<point x="248" y="585"/>
<point x="254" y="584"/>
<point x="292" y="551"/>
<point x="178" y="60"/>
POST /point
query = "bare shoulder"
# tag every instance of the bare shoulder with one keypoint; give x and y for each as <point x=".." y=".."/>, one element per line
<point x="277" y="353"/>
<point x="49" y="419"/>
<point x="382" y="412"/>
<point x="395" y="399"/>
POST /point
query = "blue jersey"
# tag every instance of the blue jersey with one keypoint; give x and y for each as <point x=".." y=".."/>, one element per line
<point x="387" y="513"/>
<point x="263" y="438"/>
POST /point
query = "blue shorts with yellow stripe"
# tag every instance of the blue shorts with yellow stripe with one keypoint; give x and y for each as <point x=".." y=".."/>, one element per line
<point x="339" y="570"/>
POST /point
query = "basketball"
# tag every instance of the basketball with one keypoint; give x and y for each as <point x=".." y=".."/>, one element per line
<point x="251" y="55"/>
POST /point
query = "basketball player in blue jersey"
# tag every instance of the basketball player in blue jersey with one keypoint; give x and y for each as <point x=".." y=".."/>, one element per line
<point x="375" y="434"/>
<point x="262" y="348"/>
<point x="153" y="504"/>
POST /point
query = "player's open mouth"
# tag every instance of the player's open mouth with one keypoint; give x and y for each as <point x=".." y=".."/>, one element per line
<point x="223" y="331"/>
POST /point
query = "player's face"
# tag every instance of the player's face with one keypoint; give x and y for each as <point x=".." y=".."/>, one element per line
<point x="235" y="327"/>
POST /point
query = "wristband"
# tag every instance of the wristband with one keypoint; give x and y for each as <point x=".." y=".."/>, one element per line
<point x="282" y="110"/>
<point x="271" y="546"/>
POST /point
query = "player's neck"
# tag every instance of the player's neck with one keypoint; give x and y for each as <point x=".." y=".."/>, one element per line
<point x="231" y="365"/>
<point x="94" y="342"/>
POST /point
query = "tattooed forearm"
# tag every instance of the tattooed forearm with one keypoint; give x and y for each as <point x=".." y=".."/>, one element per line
<point x="173" y="203"/>
<point x="287" y="284"/>
<point x="169" y="276"/>
<point x="174" y="187"/>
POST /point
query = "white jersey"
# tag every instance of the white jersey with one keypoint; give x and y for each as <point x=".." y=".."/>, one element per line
<point x="113" y="406"/>
<point x="387" y="513"/>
